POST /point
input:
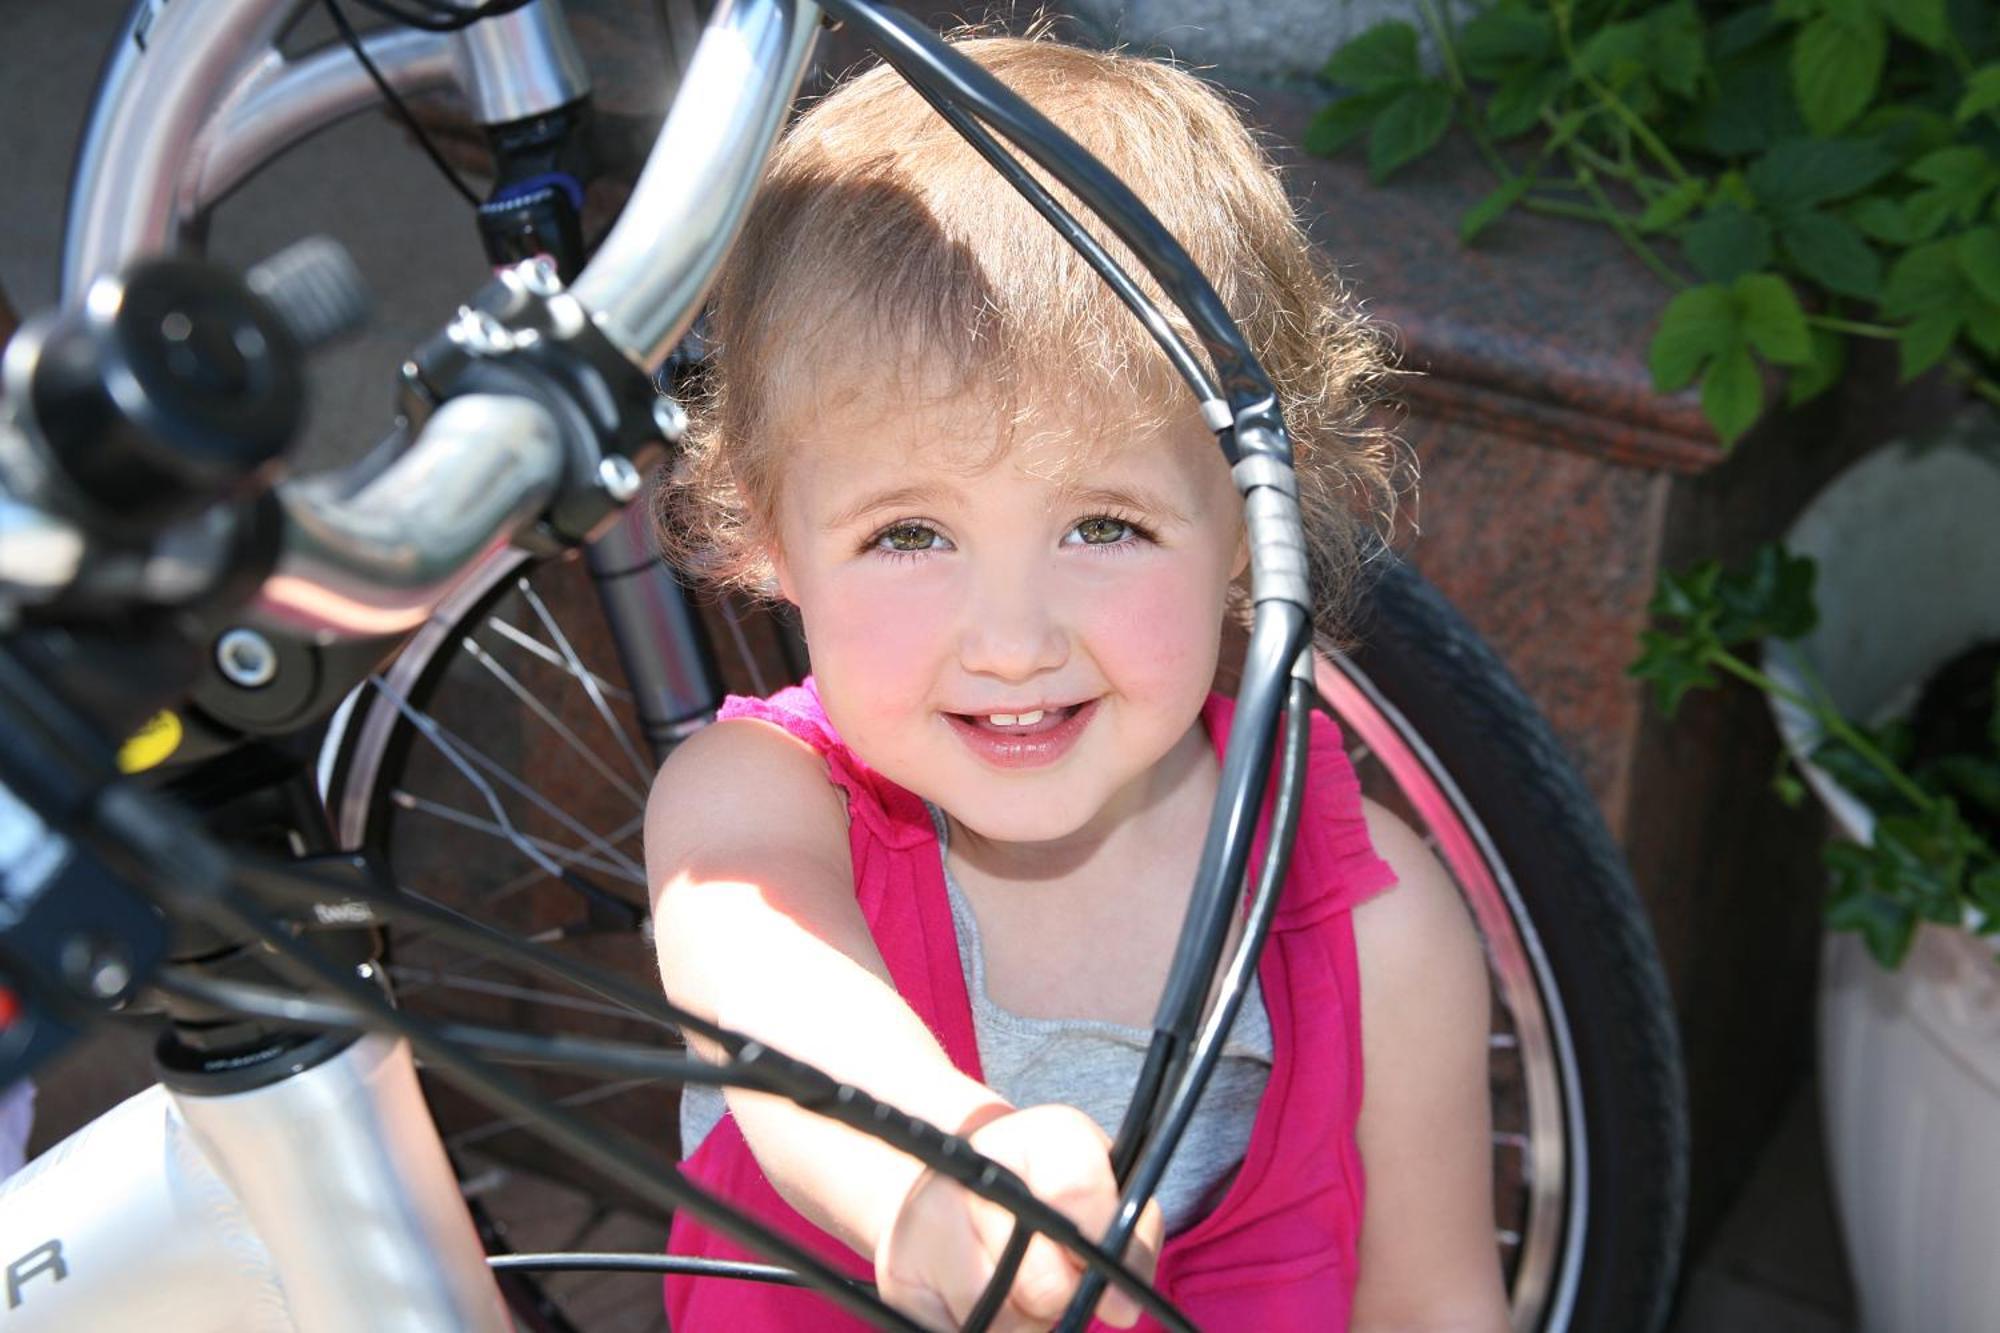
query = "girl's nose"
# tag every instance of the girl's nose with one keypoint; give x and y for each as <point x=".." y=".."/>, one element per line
<point x="1009" y="629"/>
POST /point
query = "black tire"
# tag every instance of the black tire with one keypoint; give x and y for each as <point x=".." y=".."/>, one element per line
<point x="1579" y="908"/>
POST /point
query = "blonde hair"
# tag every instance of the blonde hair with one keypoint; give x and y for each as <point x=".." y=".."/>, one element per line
<point x="877" y="227"/>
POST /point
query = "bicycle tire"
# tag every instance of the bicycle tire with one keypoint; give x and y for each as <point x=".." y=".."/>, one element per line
<point x="1432" y="682"/>
<point x="1420" y="673"/>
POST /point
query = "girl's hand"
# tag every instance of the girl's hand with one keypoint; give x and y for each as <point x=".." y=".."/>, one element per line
<point x="935" y="1257"/>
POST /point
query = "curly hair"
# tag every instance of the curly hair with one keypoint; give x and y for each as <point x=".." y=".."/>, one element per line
<point x="882" y="253"/>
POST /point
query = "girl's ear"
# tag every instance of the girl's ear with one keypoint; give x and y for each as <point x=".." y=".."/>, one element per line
<point x="1242" y="561"/>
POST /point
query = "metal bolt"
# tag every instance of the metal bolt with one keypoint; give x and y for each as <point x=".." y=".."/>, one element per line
<point x="620" y="480"/>
<point x="671" y="418"/>
<point x="246" y="658"/>
<point x="539" y="275"/>
<point x="99" y="970"/>
<point x="479" y="332"/>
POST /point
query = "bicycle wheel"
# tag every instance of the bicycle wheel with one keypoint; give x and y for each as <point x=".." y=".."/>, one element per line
<point x="1588" y="1123"/>
<point x="1589" y="1113"/>
<point x="498" y="766"/>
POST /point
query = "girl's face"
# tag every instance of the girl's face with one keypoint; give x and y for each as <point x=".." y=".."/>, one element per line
<point x="1018" y="641"/>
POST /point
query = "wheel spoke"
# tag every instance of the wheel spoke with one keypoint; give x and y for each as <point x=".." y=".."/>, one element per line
<point x="426" y="978"/>
<point x="463" y="756"/>
<point x="550" y="720"/>
<point x="527" y="642"/>
<point x="477" y="1134"/>
<point x="564" y="855"/>
<point x="586" y="679"/>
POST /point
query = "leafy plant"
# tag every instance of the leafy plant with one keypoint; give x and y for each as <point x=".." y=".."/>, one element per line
<point x="1931" y="857"/>
<point x="1797" y="173"/>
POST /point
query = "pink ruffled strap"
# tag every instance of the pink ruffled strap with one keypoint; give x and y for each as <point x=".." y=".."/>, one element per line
<point x="894" y="815"/>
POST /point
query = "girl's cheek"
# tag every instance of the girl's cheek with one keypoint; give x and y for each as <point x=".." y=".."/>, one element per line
<point x="877" y="634"/>
<point x="1159" y="624"/>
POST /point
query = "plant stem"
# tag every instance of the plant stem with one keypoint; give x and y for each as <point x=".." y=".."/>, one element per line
<point x="1859" y="328"/>
<point x="1832" y="722"/>
<point x="1434" y="20"/>
<point x="1621" y="224"/>
<point x="1611" y="101"/>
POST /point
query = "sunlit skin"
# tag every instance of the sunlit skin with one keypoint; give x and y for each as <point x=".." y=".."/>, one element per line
<point x="946" y="569"/>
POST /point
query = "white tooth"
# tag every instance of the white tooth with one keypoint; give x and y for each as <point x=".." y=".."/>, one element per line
<point x="1029" y="719"/>
<point x="1002" y="719"/>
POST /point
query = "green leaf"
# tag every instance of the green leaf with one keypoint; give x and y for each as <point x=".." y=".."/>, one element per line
<point x="1924" y="279"/>
<point x="1408" y="127"/>
<point x="1483" y="214"/>
<point x="1736" y="34"/>
<point x="1788" y="789"/>
<point x="1771" y="319"/>
<point x="1504" y="37"/>
<point x="1886" y="926"/>
<point x="1836" y="68"/>
<point x="1831" y="252"/>
<point x="1880" y="218"/>
<point x="1663" y="45"/>
<point x="1751" y="108"/>
<point x="1925" y="340"/>
<point x="1732" y="394"/>
<point x="1770" y="597"/>
<point x="1617" y="52"/>
<point x="1673" y="666"/>
<point x="1982" y="93"/>
<point x="1516" y="105"/>
<point x="1815" y="377"/>
<point x="1699" y="324"/>
<point x="1978" y="255"/>
<point x="1801" y="172"/>
<point x="1380" y="59"/>
<point x="1959" y="179"/>
<point x="1728" y="242"/>
<point x="1972" y="779"/>
<point x="1922" y="21"/>
<point x="1678" y="58"/>
<point x="1338" y="124"/>
<point x="1689" y="596"/>
<point x="1847" y="767"/>
<point x="1672" y="206"/>
<point x="1982" y="325"/>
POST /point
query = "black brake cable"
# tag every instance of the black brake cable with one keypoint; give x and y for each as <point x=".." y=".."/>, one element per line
<point x="390" y="95"/>
<point x="755" y="1067"/>
<point x="752" y="1064"/>
<point x="951" y="84"/>
<point x="439" y="16"/>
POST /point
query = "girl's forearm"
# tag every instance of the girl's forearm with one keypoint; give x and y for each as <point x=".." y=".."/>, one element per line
<point x="846" y="1182"/>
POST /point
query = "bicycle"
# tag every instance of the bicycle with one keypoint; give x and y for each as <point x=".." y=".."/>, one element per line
<point x="1584" y="1113"/>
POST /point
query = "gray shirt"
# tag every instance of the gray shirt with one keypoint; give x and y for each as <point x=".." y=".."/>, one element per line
<point x="1091" y="1065"/>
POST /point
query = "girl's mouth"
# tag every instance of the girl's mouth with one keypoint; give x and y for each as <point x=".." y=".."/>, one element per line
<point x="1022" y="740"/>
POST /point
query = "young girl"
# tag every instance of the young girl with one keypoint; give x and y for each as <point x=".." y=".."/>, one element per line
<point x="951" y="867"/>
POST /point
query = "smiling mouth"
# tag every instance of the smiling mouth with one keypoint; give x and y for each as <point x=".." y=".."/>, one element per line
<point x="1033" y="722"/>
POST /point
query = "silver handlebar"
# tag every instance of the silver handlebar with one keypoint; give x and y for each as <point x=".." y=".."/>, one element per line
<point x="485" y="466"/>
<point x="650" y="275"/>
<point x="376" y="562"/>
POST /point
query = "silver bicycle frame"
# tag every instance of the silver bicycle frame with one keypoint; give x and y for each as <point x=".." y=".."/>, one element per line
<point x="324" y="1201"/>
<point x="253" y="1212"/>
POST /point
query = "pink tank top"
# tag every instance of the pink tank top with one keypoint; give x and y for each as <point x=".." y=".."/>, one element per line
<point x="1278" y="1251"/>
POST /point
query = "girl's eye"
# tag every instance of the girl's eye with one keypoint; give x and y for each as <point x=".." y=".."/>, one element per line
<point x="907" y="539"/>
<point x="1103" y="530"/>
